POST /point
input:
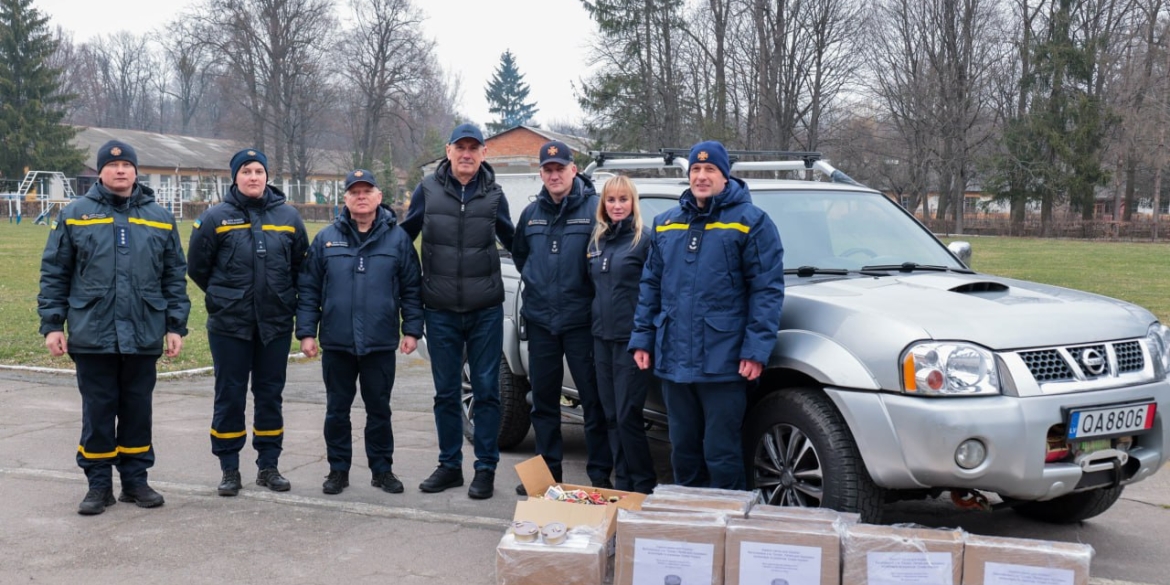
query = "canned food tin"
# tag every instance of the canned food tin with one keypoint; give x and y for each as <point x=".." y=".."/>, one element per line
<point x="554" y="533"/>
<point x="525" y="531"/>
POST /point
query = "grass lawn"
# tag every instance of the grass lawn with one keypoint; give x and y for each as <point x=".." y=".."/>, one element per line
<point x="20" y="268"/>
<point x="1134" y="272"/>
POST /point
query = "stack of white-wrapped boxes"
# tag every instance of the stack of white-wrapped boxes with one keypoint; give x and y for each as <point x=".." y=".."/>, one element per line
<point x="690" y="536"/>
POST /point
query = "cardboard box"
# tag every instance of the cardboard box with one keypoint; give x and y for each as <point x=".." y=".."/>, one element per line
<point x="796" y="514"/>
<point x="888" y="555"/>
<point x="654" y="548"/>
<point x="580" y="560"/>
<point x="988" y="559"/>
<point x="798" y="553"/>
<point x="537" y="478"/>
<point x="736" y="507"/>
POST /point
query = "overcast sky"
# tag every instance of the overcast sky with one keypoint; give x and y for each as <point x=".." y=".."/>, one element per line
<point x="549" y="40"/>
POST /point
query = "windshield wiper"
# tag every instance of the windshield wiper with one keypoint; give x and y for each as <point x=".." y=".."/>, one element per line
<point x="914" y="267"/>
<point x="806" y="271"/>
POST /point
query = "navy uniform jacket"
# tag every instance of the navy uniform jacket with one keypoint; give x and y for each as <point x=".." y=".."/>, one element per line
<point x="615" y="267"/>
<point x="114" y="272"/>
<point x="712" y="288"/>
<point x="353" y="290"/>
<point x="550" y="250"/>
<point x="245" y="254"/>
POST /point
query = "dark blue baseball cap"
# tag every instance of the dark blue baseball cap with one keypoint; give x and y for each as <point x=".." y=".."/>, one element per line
<point x="466" y="131"/>
<point x="556" y="151"/>
<point x="360" y="176"/>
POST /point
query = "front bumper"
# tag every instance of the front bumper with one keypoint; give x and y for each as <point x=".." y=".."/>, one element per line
<point x="909" y="442"/>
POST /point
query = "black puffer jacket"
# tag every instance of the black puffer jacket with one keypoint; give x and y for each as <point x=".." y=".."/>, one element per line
<point x="245" y="254"/>
<point x="460" y="262"/>
<point x="550" y="250"/>
<point x="354" y="289"/>
<point x="615" y="267"/>
<point x="113" y="272"/>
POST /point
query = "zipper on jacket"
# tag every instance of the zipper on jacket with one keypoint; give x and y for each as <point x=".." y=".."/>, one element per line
<point x="459" y="269"/>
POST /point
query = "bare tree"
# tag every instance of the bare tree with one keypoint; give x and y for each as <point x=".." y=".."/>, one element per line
<point x="192" y="65"/>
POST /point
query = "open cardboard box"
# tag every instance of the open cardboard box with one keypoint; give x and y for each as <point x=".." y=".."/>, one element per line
<point x="537" y="478"/>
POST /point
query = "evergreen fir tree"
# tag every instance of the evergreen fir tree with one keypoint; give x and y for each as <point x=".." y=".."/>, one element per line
<point x="507" y="96"/>
<point x="31" y="105"/>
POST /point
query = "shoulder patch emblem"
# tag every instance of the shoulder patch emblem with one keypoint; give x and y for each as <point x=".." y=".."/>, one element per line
<point x="197" y="224"/>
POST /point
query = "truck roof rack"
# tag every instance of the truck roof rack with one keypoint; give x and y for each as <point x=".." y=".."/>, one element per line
<point x="779" y="160"/>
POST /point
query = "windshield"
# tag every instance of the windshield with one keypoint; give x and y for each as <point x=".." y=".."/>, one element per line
<point x="848" y="230"/>
<point x="841" y="230"/>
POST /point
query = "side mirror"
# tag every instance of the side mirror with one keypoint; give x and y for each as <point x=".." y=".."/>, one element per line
<point x="962" y="250"/>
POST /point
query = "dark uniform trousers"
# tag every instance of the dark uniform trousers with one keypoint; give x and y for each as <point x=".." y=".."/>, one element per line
<point x="546" y="374"/>
<point x="116" y="393"/>
<point x="622" y="388"/>
<point x="342" y="371"/>
<point x="235" y="360"/>
<point x="706" y="429"/>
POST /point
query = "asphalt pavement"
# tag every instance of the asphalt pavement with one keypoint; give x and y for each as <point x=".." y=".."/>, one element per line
<point x="362" y="535"/>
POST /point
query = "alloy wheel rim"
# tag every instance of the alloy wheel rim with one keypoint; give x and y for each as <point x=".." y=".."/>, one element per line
<point x="787" y="468"/>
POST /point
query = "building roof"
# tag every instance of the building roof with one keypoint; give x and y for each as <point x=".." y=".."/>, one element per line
<point x="577" y="143"/>
<point x="172" y="151"/>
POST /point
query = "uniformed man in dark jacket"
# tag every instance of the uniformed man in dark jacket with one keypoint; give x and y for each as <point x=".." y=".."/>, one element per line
<point x="550" y="250"/>
<point x="707" y="317"/>
<point x="113" y="273"/>
<point x="461" y="213"/>
<point x="361" y="272"/>
<point x="245" y="253"/>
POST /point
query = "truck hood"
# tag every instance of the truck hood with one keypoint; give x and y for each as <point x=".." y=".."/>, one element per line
<point x="998" y="313"/>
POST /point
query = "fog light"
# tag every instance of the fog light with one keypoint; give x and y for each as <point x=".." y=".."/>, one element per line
<point x="971" y="454"/>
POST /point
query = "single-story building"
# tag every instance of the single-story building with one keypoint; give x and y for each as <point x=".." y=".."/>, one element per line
<point x="517" y="149"/>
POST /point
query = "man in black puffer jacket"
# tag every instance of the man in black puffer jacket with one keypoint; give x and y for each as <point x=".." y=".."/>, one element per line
<point x="361" y="272"/>
<point x="245" y="253"/>
<point x="112" y="273"/>
<point x="461" y="212"/>
<point x="550" y="250"/>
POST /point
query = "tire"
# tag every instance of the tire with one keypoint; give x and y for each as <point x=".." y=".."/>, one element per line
<point x="800" y="452"/>
<point x="1071" y="508"/>
<point x="514" y="408"/>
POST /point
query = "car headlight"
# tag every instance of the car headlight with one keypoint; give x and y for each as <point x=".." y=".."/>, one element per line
<point x="1158" y="338"/>
<point x="949" y="369"/>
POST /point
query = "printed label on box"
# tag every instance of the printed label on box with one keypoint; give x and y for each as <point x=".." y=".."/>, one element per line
<point x="762" y="563"/>
<point x="910" y="568"/>
<point x="1005" y="574"/>
<point x="654" y="560"/>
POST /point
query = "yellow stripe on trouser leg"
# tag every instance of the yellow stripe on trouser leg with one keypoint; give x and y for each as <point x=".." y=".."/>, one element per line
<point x="232" y="435"/>
<point x="133" y="450"/>
<point x="260" y="433"/>
<point x="88" y="455"/>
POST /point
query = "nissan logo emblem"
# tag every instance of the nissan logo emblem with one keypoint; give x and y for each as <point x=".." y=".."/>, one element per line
<point x="1093" y="361"/>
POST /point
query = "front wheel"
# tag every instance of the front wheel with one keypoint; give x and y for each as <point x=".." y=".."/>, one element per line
<point x="1071" y="508"/>
<point x="800" y="452"/>
<point x="514" y="408"/>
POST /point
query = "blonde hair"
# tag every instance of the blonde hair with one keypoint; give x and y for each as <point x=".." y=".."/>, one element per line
<point x="618" y="182"/>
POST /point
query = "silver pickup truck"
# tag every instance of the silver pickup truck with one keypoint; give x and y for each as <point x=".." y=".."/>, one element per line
<point x="901" y="373"/>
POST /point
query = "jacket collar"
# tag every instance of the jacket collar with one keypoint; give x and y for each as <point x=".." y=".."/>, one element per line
<point x="734" y="193"/>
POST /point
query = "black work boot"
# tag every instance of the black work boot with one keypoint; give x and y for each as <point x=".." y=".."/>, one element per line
<point x="141" y="495"/>
<point x="388" y="482"/>
<point x="441" y="479"/>
<point x="483" y="485"/>
<point x="520" y="491"/>
<point x="230" y="485"/>
<point x="271" y="478"/>
<point x="96" y="501"/>
<point x="335" y="482"/>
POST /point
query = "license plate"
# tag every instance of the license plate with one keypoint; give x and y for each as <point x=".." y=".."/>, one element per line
<point x="1108" y="421"/>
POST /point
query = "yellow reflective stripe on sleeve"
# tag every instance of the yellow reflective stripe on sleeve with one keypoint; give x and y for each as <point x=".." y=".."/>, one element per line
<point x="227" y="228"/>
<point x="672" y="226"/>
<point x="260" y="433"/>
<point x="88" y="221"/>
<point x="133" y="450"/>
<point x="154" y="224"/>
<point x="89" y="455"/>
<point x="279" y="228"/>
<point x="234" y="435"/>
<point x="728" y="226"/>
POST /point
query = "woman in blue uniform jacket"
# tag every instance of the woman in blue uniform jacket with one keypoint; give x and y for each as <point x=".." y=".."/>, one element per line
<point x="617" y="252"/>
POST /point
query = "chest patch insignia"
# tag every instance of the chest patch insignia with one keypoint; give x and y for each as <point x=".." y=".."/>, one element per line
<point x="538" y="222"/>
<point x="336" y="244"/>
<point x="233" y="221"/>
<point x="94" y="216"/>
<point x="578" y="221"/>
